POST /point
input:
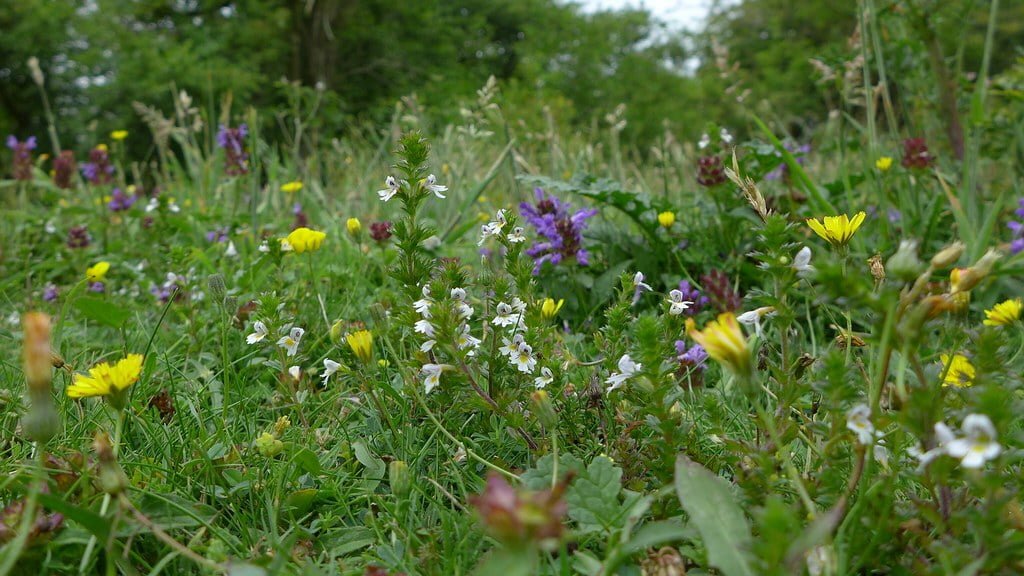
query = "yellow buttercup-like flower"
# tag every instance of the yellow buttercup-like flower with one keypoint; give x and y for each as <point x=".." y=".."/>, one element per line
<point x="361" y="343"/>
<point x="667" y="219"/>
<point x="97" y="272"/>
<point x="292" y="187"/>
<point x="105" y="379"/>
<point x="837" y="230"/>
<point x="958" y="371"/>
<point x="1004" y="313"/>
<point x="549" y="308"/>
<point x="303" y="240"/>
<point x="354" y="226"/>
<point x="883" y="163"/>
<point x="724" y="342"/>
<point x="119" y="135"/>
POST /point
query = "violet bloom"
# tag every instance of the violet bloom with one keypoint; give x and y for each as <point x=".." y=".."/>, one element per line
<point x="22" y="168"/>
<point x="98" y="170"/>
<point x="63" y="168"/>
<point x="78" y="237"/>
<point x="50" y="292"/>
<point x="301" y="220"/>
<point x="781" y="172"/>
<point x="692" y="357"/>
<point x="219" y="235"/>
<point x="562" y="232"/>
<point x="232" y="140"/>
<point x="691" y="294"/>
<point x="1017" y="228"/>
<point x="173" y="284"/>
<point x="98" y="287"/>
<point x="119" y="201"/>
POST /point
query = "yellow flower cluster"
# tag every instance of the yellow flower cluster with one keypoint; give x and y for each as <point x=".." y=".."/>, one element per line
<point x="105" y="379"/>
<point x="303" y="240"/>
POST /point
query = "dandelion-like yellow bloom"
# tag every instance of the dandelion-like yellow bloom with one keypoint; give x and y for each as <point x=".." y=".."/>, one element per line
<point x="958" y="371"/>
<point x="667" y="219"/>
<point x="303" y="240"/>
<point x="883" y="163"/>
<point x="119" y="135"/>
<point x="959" y="298"/>
<point x="101" y="147"/>
<point x="105" y="379"/>
<point x="361" y="343"/>
<point x="837" y="230"/>
<point x="1004" y="313"/>
<point x="724" y="342"/>
<point x="549" y="308"/>
<point x="97" y="272"/>
<point x="292" y="187"/>
<point x="354" y="226"/>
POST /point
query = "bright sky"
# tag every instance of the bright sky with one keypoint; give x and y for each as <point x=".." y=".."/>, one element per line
<point x="685" y="13"/>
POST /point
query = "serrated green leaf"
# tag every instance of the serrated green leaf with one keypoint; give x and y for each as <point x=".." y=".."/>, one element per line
<point x="709" y="502"/>
<point x="593" y="498"/>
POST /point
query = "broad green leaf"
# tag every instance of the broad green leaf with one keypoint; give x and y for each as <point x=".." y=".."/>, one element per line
<point x="94" y="523"/>
<point x="593" y="498"/>
<point x="102" y="311"/>
<point x="708" y="500"/>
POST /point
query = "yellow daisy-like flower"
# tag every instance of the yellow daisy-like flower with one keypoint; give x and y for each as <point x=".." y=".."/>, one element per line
<point x="292" y="187"/>
<point x="101" y="147"/>
<point x="958" y="371"/>
<point x="361" y="343"/>
<point x="1004" y="313"/>
<point x="666" y="219"/>
<point x="303" y="240"/>
<point x="724" y="342"/>
<point x="105" y="379"/>
<point x="883" y="163"/>
<point x="97" y="272"/>
<point x="354" y="226"/>
<point x="549" y="308"/>
<point x="837" y="230"/>
<point x="119" y="135"/>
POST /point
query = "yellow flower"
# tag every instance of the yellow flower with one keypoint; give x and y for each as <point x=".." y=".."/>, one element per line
<point x="101" y="147"/>
<point x="1004" y="313"/>
<point x="119" y="135"/>
<point x="883" y="163"/>
<point x="837" y="230"/>
<point x="361" y="343"/>
<point x="268" y="445"/>
<point x="957" y="371"/>
<point x="724" y="342"/>
<point x="959" y="298"/>
<point x="292" y="187"/>
<point x="667" y="219"/>
<point x="107" y="380"/>
<point x="97" y="272"/>
<point x="303" y="240"/>
<point x="354" y="226"/>
<point x="549" y="308"/>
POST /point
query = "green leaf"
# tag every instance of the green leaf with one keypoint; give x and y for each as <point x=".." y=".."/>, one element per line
<point x="593" y="498"/>
<point x="375" y="467"/>
<point x="709" y="502"/>
<point x="94" y="523"/>
<point x="656" y="534"/>
<point x="102" y="311"/>
<point x="245" y="570"/>
<point x="308" y="460"/>
<point x="508" y="562"/>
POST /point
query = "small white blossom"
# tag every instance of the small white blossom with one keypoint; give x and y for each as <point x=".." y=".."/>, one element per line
<point x="504" y="315"/>
<point x="752" y="319"/>
<point x="802" y="262"/>
<point x="434" y="187"/>
<point x="509" y="347"/>
<point x="424" y="327"/>
<point x="725" y="136"/>
<point x="705" y="140"/>
<point x="431" y="375"/>
<point x="676" y="303"/>
<point x="858" y="421"/>
<point x="152" y="205"/>
<point x="259" y="332"/>
<point x="467" y="340"/>
<point x="492" y="228"/>
<point x="523" y="358"/>
<point x="978" y="445"/>
<point x="391" y="189"/>
<point x="330" y="367"/>
<point x="264" y="247"/>
<point x="545" y="378"/>
<point x="231" y="251"/>
<point x="627" y="369"/>
<point x="516" y="235"/>
<point x="422" y="306"/>
<point x="295" y="372"/>
<point x="291" y="341"/>
<point x="640" y="285"/>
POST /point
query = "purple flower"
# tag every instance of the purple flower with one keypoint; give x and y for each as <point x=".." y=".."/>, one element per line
<point x="98" y="287"/>
<point x="63" y="169"/>
<point x="218" y="235"/>
<point x="22" y="166"/>
<point x="894" y="215"/>
<point x="692" y="357"/>
<point x="50" y="292"/>
<point x="78" y="237"/>
<point x="562" y="233"/>
<point x="119" y="201"/>
<point x="691" y="294"/>
<point x="173" y="284"/>
<point x="232" y="140"/>
<point x="1020" y="208"/>
<point x="781" y="172"/>
<point x="98" y="170"/>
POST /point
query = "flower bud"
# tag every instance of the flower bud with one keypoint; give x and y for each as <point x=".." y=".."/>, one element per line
<point x="36" y="71"/>
<point x="111" y="478"/>
<point x="543" y="409"/>
<point x="268" y="445"/>
<point x="337" y="331"/>
<point x="948" y="255"/>
<point x="904" y="264"/>
<point x="400" y="478"/>
<point x="41" y="423"/>
<point x="970" y="277"/>
<point x="354" y="226"/>
<point x="216" y="285"/>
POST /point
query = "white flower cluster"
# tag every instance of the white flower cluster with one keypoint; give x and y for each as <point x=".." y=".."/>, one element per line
<point x="495" y="227"/>
<point x="393" y="186"/>
<point x="974" y="447"/>
<point x="464" y="339"/>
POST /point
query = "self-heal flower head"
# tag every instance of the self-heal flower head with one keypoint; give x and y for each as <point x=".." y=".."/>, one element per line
<point x="562" y="232"/>
<point x="361" y="343"/>
<point x="545" y="378"/>
<point x="390" y="190"/>
<point x="978" y="445"/>
<point x="259" y="332"/>
<point x="957" y="371"/>
<point x="858" y="421"/>
<point x="837" y="230"/>
<point x="97" y="272"/>
<point x="303" y="240"/>
<point x="232" y="141"/>
<point x="290" y="342"/>
<point x="432" y="186"/>
<point x="1004" y="314"/>
<point x="627" y="369"/>
<point x="724" y="342"/>
<point x="107" y="379"/>
<point x="676" y="304"/>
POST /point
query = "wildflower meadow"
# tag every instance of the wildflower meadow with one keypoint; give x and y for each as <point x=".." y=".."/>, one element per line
<point x="251" y="339"/>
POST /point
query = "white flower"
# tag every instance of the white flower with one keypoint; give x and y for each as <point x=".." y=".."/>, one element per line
<point x="676" y="304"/>
<point x="820" y="560"/>
<point x="802" y="262"/>
<point x="173" y="207"/>
<point x="725" y="136"/>
<point x="153" y="204"/>
<point x="492" y="228"/>
<point x="286" y="246"/>
<point x="978" y="444"/>
<point x="259" y="332"/>
<point x="50" y="227"/>
<point x="295" y="372"/>
<point x="467" y="340"/>
<point x="881" y="454"/>
<point x="231" y="251"/>
<point x="422" y="306"/>
<point x="752" y="319"/>
<point x="389" y="192"/>
<point x="545" y="378"/>
<point x="432" y="375"/>
<point x="458" y="294"/>
<point x="523" y="358"/>
<point x="509" y="347"/>
<point x="858" y="421"/>
<point x="516" y="235"/>
<point x="428" y="345"/>
<point x="943" y="436"/>
<point x="424" y="327"/>
<point x="434" y="187"/>
<point x="291" y="341"/>
<point x="330" y="367"/>
<point x="518" y="305"/>
<point x="704" y="141"/>
<point x="638" y="283"/>
<point x="264" y="247"/>
<point x="504" y="315"/>
<point x="627" y="369"/>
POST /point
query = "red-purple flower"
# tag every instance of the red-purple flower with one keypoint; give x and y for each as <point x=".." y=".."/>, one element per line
<point x="710" y="171"/>
<point x="521" y="517"/>
<point x="98" y="170"/>
<point x="562" y="232"/>
<point x="232" y="140"/>
<point x="78" y="237"/>
<point x="720" y="291"/>
<point x="915" y="154"/>
<point x="63" y="169"/>
<point x="380" y="231"/>
<point x="119" y="201"/>
<point x="22" y="168"/>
